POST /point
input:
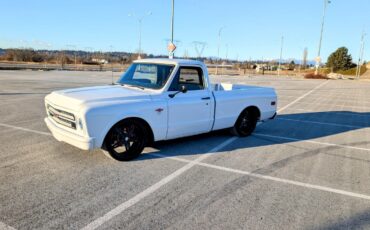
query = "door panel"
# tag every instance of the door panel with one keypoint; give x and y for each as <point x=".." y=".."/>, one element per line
<point x="190" y="113"/>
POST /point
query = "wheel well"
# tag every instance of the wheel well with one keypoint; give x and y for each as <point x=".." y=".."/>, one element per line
<point x="142" y="121"/>
<point x="253" y="109"/>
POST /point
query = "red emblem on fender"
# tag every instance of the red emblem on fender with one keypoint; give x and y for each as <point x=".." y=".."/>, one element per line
<point x="159" y="110"/>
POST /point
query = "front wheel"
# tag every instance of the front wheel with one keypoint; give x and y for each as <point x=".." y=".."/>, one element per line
<point x="245" y="124"/>
<point x="126" y="140"/>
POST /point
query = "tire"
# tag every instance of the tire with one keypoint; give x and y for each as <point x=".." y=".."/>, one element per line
<point x="126" y="140"/>
<point x="245" y="125"/>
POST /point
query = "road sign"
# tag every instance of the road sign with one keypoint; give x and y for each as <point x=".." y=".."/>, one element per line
<point x="171" y="47"/>
<point x="318" y="59"/>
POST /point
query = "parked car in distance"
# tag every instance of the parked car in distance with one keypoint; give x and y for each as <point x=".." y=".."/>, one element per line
<point x="155" y="99"/>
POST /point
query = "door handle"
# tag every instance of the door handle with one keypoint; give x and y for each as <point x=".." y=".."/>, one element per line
<point x="206" y="98"/>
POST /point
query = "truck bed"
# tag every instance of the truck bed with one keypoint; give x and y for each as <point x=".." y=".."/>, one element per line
<point x="231" y="99"/>
<point x="230" y="87"/>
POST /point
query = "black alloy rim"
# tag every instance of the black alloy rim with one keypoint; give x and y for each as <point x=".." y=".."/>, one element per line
<point x="125" y="138"/>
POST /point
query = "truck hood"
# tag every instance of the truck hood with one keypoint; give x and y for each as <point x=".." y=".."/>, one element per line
<point x="72" y="99"/>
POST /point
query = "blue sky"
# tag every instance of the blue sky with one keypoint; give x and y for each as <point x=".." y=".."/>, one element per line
<point x="253" y="29"/>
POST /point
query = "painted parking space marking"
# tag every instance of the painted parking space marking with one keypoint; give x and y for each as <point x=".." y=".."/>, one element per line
<point x="25" y="129"/>
<point x="271" y="178"/>
<point x="303" y="96"/>
<point x="6" y="227"/>
<point x="321" y="123"/>
<point x="310" y="141"/>
<point x="343" y="112"/>
<point x="127" y="204"/>
<point x="335" y="105"/>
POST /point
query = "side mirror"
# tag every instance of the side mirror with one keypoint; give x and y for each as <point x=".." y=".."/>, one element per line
<point x="183" y="89"/>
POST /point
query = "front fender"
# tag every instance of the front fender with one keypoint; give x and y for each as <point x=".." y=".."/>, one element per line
<point x="100" y="120"/>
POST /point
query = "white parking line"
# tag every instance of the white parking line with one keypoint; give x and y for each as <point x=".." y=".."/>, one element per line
<point x="25" y="129"/>
<point x="125" y="205"/>
<point x="335" y="105"/>
<point x="335" y="99"/>
<point x="5" y="227"/>
<point x="303" y="96"/>
<point x="277" y="179"/>
<point x="343" y="112"/>
<point x="309" y="141"/>
<point x="320" y="123"/>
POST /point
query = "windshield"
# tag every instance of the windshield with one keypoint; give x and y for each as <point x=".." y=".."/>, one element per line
<point x="146" y="75"/>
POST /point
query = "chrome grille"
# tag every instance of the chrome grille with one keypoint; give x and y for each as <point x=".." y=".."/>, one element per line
<point x="62" y="117"/>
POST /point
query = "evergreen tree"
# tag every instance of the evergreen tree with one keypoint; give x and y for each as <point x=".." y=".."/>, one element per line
<point x="340" y="60"/>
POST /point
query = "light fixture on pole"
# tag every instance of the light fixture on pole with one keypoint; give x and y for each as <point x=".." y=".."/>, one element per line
<point x="318" y="58"/>
<point x="140" y="20"/>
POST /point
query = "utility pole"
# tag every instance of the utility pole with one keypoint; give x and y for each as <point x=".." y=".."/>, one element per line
<point x="318" y="58"/>
<point x="281" y="54"/>
<point x="140" y="20"/>
<point x="199" y="48"/>
<point x="360" y="55"/>
<point x="218" y="48"/>
<point x="186" y="54"/>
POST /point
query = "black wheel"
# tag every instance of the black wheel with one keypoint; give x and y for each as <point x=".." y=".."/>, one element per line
<point x="245" y="124"/>
<point x="126" y="140"/>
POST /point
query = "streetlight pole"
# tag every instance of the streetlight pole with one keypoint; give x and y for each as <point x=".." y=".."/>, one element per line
<point x="227" y="51"/>
<point x="360" y="56"/>
<point x="218" y="48"/>
<point x="318" y="58"/>
<point x="281" y="54"/>
<point x="140" y="20"/>
<point x="111" y="61"/>
<point x="172" y="53"/>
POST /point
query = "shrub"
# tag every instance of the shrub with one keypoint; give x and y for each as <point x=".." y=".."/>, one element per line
<point x="352" y="71"/>
<point x="315" y="76"/>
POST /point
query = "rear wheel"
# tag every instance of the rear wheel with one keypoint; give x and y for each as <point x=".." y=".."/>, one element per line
<point x="245" y="124"/>
<point x="126" y="140"/>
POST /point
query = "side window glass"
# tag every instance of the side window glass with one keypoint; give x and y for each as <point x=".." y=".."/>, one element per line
<point x="191" y="77"/>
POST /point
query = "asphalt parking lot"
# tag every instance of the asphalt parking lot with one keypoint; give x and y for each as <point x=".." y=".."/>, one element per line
<point x="307" y="169"/>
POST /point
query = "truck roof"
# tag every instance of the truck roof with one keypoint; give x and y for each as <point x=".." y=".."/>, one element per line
<point x="170" y="61"/>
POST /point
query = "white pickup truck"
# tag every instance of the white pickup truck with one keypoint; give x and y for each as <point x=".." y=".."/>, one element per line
<point x="155" y="99"/>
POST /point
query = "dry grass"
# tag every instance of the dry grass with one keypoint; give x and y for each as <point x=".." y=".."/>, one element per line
<point x="315" y="76"/>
